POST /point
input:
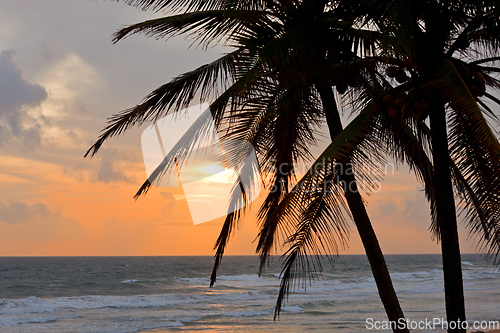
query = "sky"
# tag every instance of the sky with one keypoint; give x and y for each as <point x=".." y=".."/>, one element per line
<point x="60" y="78"/>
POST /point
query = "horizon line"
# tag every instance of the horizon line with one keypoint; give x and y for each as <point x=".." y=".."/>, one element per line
<point x="207" y="255"/>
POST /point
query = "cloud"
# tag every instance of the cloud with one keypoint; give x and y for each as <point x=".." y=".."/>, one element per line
<point x="408" y="206"/>
<point x="113" y="165"/>
<point x="417" y="208"/>
<point x="169" y="207"/>
<point x="20" y="212"/>
<point x="108" y="172"/>
<point x="17" y="97"/>
<point x="387" y="208"/>
<point x="37" y="221"/>
<point x="71" y="83"/>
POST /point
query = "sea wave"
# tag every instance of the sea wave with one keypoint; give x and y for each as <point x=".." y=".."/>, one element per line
<point x="35" y="305"/>
<point x="173" y="310"/>
<point x="17" y="320"/>
<point x="244" y="280"/>
<point x="292" y="308"/>
<point x="244" y="277"/>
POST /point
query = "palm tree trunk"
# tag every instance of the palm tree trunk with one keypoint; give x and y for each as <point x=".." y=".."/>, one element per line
<point x="362" y="221"/>
<point x="447" y="219"/>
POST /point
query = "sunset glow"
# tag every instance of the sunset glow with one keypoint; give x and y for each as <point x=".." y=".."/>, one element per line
<point x="56" y="203"/>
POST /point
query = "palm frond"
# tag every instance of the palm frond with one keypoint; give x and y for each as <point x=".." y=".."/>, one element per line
<point x="313" y="211"/>
<point x="476" y="153"/>
<point x="196" y="5"/>
<point x="482" y="61"/>
<point x="171" y="97"/>
<point x="204" y="27"/>
<point x="407" y="147"/>
<point x="201" y="130"/>
<point x="470" y="30"/>
<point x="321" y="229"/>
<point x="238" y="204"/>
<point x="291" y="136"/>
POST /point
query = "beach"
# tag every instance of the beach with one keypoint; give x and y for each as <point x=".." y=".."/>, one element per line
<point x="171" y="294"/>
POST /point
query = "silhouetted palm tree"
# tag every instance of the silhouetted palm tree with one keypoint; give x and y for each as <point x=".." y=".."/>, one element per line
<point x="437" y="51"/>
<point x="277" y="89"/>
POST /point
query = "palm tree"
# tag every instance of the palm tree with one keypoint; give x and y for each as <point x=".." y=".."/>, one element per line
<point x="276" y="95"/>
<point x="436" y="50"/>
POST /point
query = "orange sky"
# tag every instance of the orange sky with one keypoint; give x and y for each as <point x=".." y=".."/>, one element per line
<point x="63" y="79"/>
<point x="96" y="218"/>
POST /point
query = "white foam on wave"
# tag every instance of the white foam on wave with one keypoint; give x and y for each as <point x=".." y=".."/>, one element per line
<point x="26" y="305"/>
<point x="256" y="298"/>
<point x="329" y="286"/>
<point x="480" y="274"/>
<point x="40" y="319"/>
<point x="245" y="313"/>
<point x="245" y="280"/>
<point x="417" y="282"/>
<point x="249" y="277"/>
<point x="245" y="277"/>
<point x="292" y="308"/>
<point x="35" y="305"/>
<point x="179" y="309"/>
<point x="466" y="263"/>
<point x="419" y="275"/>
<point x="200" y="281"/>
<point x="174" y="323"/>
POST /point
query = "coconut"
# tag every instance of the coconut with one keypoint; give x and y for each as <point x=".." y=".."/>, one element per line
<point x="420" y="105"/>
<point x="401" y="76"/>
<point x="391" y="71"/>
<point x="479" y="77"/>
<point x="402" y="101"/>
<point x="389" y="98"/>
<point x="394" y="113"/>
<point x="464" y="71"/>
<point x="408" y="110"/>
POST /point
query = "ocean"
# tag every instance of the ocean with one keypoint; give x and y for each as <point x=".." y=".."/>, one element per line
<point x="172" y="294"/>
